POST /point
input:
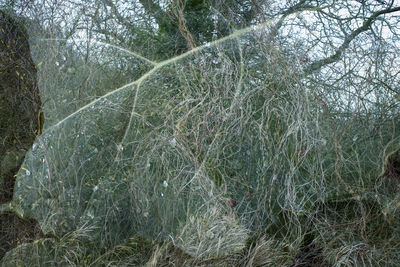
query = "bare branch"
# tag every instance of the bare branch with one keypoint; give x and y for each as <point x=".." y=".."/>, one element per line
<point x="347" y="40"/>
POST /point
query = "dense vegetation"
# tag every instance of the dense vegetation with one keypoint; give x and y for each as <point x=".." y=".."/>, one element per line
<point x="212" y="133"/>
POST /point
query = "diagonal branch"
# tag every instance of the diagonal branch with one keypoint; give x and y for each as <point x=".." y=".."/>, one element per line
<point x="177" y="9"/>
<point x="347" y="40"/>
